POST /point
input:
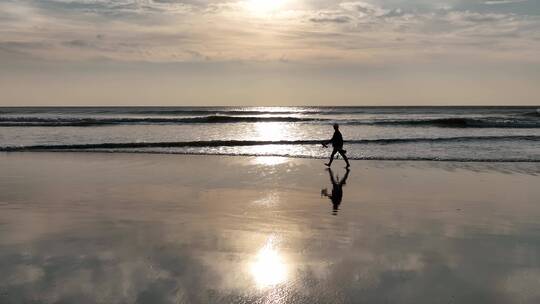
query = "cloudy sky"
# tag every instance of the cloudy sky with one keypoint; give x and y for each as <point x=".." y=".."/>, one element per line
<point x="269" y="52"/>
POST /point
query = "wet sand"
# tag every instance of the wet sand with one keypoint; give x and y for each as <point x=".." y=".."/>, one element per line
<point x="134" y="228"/>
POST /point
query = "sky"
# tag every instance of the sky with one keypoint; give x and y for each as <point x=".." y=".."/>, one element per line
<point x="262" y="52"/>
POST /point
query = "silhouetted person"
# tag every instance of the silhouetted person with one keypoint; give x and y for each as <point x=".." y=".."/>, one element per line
<point x="337" y="144"/>
<point x="337" y="190"/>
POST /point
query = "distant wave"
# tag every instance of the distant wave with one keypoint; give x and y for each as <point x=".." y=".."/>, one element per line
<point x="213" y="112"/>
<point x="320" y="110"/>
<point x="240" y="143"/>
<point x="532" y="114"/>
<point x="174" y="111"/>
<point x="494" y="122"/>
<point x="458" y="122"/>
<point x="89" y="122"/>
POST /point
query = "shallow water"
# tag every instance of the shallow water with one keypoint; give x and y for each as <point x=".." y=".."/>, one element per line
<point x="128" y="228"/>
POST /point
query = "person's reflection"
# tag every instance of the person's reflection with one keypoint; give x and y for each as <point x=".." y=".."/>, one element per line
<point x="337" y="190"/>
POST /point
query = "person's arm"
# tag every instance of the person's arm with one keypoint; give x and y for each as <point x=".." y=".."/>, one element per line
<point x="331" y="140"/>
<point x="326" y="142"/>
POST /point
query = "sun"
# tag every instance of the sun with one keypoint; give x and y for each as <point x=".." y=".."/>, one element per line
<point x="263" y="7"/>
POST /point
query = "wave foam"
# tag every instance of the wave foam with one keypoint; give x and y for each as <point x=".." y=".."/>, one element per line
<point x="240" y="143"/>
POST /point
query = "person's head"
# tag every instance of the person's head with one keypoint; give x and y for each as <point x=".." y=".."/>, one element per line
<point x="336" y="126"/>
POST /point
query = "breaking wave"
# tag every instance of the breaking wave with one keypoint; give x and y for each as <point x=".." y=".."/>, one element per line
<point x="459" y="122"/>
<point x="495" y="122"/>
<point x="240" y="143"/>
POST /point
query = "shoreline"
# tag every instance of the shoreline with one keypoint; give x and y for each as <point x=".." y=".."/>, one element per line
<point x="426" y="159"/>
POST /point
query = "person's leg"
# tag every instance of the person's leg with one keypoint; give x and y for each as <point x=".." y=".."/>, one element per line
<point x="345" y="157"/>
<point x="331" y="158"/>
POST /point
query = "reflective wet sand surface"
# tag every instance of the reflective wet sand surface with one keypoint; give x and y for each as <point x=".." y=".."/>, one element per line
<point x="125" y="228"/>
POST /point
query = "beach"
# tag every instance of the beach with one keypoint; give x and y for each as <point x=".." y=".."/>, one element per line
<point x="269" y="151"/>
<point x="158" y="228"/>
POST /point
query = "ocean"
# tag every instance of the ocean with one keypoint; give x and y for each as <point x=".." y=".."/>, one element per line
<point x="487" y="134"/>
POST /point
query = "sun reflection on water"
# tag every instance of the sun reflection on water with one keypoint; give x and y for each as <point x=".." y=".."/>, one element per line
<point x="271" y="131"/>
<point x="269" y="269"/>
<point x="270" y="160"/>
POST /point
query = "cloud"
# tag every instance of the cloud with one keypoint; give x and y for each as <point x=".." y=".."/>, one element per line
<point x="21" y="49"/>
<point x="330" y="17"/>
<point x="79" y="43"/>
<point x="197" y="30"/>
<point x="142" y="11"/>
<point x="504" y="1"/>
<point x="363" y="8"/>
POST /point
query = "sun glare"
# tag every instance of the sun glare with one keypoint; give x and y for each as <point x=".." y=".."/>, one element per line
<point x="270" y="160"/>
<point x="271" y="131"/>
<point x="269" y="269"/>
<point x="263" y="7"/>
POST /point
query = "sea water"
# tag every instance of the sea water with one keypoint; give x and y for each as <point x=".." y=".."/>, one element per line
<point x="491" y="134"/>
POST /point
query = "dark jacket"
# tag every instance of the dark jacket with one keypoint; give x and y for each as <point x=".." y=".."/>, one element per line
<point x="337" y="140"/>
